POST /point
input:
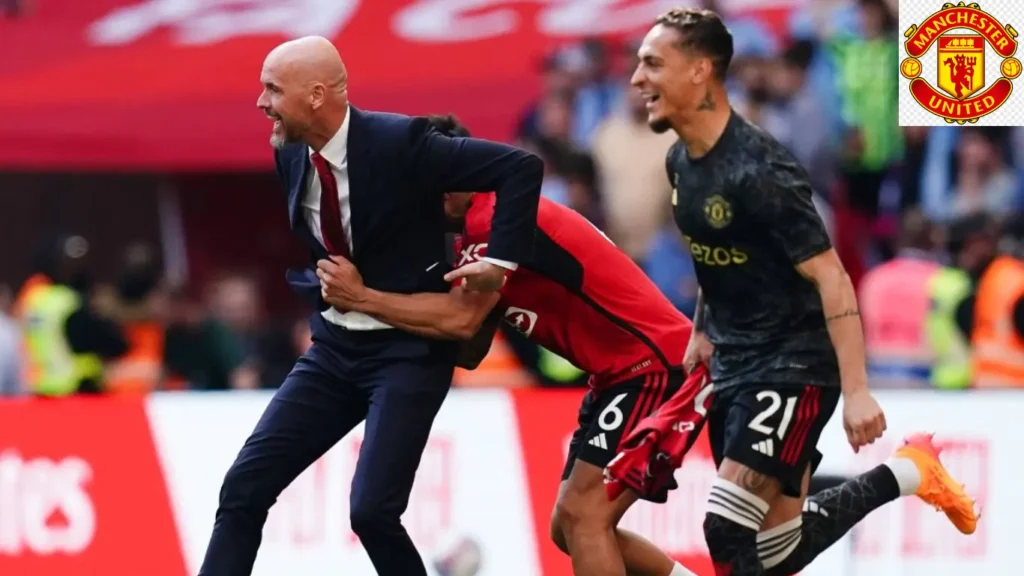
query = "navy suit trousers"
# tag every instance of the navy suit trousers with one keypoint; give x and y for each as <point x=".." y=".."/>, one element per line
<point x="397" y="383"/>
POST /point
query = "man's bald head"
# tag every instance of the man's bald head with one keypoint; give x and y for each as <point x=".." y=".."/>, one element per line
<point x="305" y="90"/>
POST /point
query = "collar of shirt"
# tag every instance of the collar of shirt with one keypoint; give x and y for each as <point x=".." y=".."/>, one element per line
<point x="336" y="149"/>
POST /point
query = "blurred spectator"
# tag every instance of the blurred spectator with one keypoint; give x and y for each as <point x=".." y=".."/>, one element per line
<point x="912" y="167"/>
<point x="558" y="83"/>
<point x="985" y="183"/>
<point x="235" y="301"/>
<point x="635" y="190"/>
<point x="569" y="176"/>
<point x="670" y="266"/>
<point x="277" y="350"/>
<point x="598" y="94"/>
<point x="578" y="80"/>
<point x="66" y="341"/>
<point x="201" y="352"/>
<point x="142" y="309"/>
<point x="894" y="303"/>
<point x="793" y="108"/>
<point x="873" y="142"/>
<point x="993" y="315"/>
<point x="10" y="346"/>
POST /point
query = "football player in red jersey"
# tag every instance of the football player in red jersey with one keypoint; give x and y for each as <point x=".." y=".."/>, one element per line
<point x="585" y="300"/>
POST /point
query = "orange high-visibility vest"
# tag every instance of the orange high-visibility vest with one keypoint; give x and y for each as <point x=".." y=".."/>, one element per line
<point x="30" y="370"/>
<point x="139" y="371"/>
<point x="894" y="303"/>
<point x="998" y="354"/>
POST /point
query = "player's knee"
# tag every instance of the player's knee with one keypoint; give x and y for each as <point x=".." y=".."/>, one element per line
<point x="243" y="489"/>
<point x="734" y="517"/>
<point x="576" y="511"/>
<point x="557" y="533"/>
<point x="368" y="519"/>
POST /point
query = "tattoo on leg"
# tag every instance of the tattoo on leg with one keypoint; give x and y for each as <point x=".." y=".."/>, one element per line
<point x="708" y="103"/>
<point x="751" y="481"/>
<point x="845" y="314"/>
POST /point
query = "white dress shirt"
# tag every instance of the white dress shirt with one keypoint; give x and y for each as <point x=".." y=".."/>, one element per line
<point x="335" y="152"/>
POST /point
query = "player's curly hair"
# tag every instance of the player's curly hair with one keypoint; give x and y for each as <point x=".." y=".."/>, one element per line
<point x="704" y="32"/>
<point x="449" y="125"/>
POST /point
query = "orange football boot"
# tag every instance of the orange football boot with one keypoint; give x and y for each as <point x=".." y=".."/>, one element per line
<point x="938" y="488"/>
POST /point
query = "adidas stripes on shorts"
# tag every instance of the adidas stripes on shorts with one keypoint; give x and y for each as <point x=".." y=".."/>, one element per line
<point x="771" y="428"/>
<point x="607" y="416"/>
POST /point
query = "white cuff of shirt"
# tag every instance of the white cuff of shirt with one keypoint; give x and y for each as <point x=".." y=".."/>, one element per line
<point x="503" y="263"/>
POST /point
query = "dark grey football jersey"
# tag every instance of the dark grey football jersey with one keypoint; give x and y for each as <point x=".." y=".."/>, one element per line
<point x="745" y="211"/>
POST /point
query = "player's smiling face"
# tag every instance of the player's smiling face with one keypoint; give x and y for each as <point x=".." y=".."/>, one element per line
<point x="669" y="77"/>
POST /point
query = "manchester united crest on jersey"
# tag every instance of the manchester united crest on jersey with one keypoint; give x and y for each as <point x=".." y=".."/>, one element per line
<point x="718" y="211"/>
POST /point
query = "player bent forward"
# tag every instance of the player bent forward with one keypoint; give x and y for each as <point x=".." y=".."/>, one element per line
<point x="585" y="300"/>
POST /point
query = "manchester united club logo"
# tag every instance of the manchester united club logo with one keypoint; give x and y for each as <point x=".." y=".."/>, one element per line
<point x="961" y="35"/>
<point x="717" y="211"/>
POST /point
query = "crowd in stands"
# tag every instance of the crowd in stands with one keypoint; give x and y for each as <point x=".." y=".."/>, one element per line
<point x="927" y="221"/>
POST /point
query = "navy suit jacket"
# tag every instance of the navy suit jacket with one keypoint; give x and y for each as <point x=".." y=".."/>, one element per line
<point x="399" y="167"/>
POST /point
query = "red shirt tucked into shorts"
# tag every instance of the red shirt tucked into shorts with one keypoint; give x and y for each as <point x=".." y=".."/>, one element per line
<point x="583" y="298"/>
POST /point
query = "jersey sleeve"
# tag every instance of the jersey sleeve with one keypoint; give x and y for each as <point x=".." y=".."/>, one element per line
<point x="669" y="161"/>
<point x="471" y="248"/>
<point x="785" y="207"/>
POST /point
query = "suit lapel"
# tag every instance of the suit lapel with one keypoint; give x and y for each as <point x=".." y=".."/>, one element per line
<point x="359" y="178"/>
<point x="299" y="166"/>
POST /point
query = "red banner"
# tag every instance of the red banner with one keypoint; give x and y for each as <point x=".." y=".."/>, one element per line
<point x="82" y="491"/>
<point x="172" y="84"/>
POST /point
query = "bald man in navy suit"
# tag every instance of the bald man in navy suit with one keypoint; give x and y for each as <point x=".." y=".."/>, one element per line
<point x="367" y="187"/>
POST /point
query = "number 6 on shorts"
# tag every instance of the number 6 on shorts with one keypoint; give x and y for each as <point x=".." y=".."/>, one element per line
<point x="612" y="417"/>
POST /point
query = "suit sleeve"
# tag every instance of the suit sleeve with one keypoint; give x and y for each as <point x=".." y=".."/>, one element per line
<point x="473" y="165"/>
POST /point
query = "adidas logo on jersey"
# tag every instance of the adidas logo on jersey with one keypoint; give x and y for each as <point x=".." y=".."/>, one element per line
<point x="766" y="447"/>
<point x="600" y="441"/>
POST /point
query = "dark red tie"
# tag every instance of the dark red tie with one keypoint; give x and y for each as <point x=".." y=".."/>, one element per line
<point x="330" y="209"/>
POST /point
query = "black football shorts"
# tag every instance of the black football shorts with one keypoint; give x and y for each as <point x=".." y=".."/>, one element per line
<point x="771" y="428"/>
<point x="607" y="416"/>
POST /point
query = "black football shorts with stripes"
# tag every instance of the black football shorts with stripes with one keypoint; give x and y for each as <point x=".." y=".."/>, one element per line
<point x="608" y="415"/>
<point x="771" y="428"/>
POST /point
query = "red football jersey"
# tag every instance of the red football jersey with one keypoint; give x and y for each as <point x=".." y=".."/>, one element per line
<point x="581" y="297"/>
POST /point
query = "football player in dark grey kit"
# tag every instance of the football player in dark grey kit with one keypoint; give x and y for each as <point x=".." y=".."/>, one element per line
<point x="777" y="322"/>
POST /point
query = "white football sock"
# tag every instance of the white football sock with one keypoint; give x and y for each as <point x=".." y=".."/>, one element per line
<point x="907" y="475"/>
<point x="679" y="570"/>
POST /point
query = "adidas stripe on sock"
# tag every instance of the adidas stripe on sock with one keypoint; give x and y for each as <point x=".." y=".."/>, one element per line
<point x="736" y="504"/>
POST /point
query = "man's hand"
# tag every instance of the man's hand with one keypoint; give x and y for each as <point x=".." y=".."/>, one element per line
<point x="341" y="285"/>
<point x="481" y="276"/>
<point x="698" y="351"/>
<point x="863" y="418"/>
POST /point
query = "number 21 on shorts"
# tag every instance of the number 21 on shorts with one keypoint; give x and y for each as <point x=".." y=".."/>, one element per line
<point x="774" y="400"/>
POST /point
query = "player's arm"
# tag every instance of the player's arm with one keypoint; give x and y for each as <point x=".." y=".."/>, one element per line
<point x="698" y="312"/>
<point x="473" y="165"/>
<point x="456" y="315"/>
<point x="473" y="351"/>
<point x="842" y="316"/>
